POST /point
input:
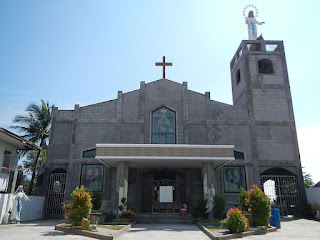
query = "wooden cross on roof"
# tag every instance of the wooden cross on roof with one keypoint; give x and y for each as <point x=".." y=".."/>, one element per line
<point x="164" y="64"/>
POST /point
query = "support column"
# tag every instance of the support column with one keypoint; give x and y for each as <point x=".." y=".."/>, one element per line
<point x="142" y="103"/>
<point x="122" y="181"/>
<point x="117" y="136"/>
<point x="208" y="185"/>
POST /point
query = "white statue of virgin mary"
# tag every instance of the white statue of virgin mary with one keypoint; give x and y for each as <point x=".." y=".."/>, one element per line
<point x="17" y="204"/>
<point x="252" y="22"/>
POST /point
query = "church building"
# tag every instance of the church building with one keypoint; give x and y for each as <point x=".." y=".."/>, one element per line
<point x="163" y="144"/>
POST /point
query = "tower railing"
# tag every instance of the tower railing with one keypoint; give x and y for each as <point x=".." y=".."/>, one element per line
<point x="256" y="47"/>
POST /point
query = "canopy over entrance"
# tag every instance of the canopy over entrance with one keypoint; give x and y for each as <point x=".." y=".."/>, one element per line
<point x="164" y="155"/>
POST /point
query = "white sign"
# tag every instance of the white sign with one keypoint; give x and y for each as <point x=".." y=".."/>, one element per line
<point x="166" y="194"/>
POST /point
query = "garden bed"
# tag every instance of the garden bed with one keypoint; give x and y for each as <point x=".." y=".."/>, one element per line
<point x="215" y="231"/>
<point x="108" y="232"/>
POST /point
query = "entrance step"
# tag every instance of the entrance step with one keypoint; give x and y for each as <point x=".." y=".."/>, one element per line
<point x="149" y="218"/>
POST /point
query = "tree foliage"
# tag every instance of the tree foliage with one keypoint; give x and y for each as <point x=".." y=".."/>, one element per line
<point x="308" y="182"/>
<point x="35" y="125"/>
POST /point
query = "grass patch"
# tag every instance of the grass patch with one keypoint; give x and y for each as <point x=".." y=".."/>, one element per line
<point x="215" y="227"/>
<point x="77" y="227"/>
<point x="112" y="227"/>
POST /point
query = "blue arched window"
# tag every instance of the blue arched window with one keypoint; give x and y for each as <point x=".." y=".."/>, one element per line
<point x="163" y="126"/>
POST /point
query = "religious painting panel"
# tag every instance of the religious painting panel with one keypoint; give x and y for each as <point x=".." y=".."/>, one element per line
<point x="164" y="126"/>
<point x="92" y="177"/>
<point x="234" y="179"/>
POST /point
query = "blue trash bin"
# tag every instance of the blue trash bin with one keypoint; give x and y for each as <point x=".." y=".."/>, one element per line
<point x="275" y="218"/>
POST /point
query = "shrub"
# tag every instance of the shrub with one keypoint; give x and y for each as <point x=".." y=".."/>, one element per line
<point x="306" y="211"/>
<point x="96" y="200"/>
<point x="66" y="206"/>
<point x="219" y="205"/>
<point x="110" y="216"/>
<point x="243" y="200"/>
<point x="314" y="208"/>
<point x="259" y="207"/>
<point x="81" y="205"/>
<point x="126" y="208"/>
<point x="235" y="221"/>
<point x="200" y="209"/>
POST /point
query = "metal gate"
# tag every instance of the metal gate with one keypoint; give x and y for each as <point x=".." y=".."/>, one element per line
<point x="56" y="191"/>
<point x="283" y="193"/>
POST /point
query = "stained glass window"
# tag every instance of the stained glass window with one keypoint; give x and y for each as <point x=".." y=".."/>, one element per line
<point x="92" y="177"/>
<point x="164" y="126"/>
<point x="234" y="179"/>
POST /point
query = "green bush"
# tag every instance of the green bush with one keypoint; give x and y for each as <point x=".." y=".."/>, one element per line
<point x="306" y="211"/>
<point x="96" y="200"/>
<point x="219" y="205"/>
<point x="200" y="209"/>
<point x="126" y="208"/>
<point x="110" y="216"/>
<point x="243" y="200"/>
<point x="80" y="207"/>
<point x="314" y="208"/>
<point x="235" y="221"/>
<point x="259" y="207"/>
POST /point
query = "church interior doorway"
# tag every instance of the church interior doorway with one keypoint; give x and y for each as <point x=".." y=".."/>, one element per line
<point x="163" y="191"/>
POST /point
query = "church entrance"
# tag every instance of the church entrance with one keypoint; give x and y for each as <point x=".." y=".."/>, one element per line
<point x="56" y="192"/>
<point x="280" y="185"/>
<point x="163" y="191"/>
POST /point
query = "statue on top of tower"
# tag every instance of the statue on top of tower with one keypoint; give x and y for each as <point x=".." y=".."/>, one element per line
<point x="252" y="22"/>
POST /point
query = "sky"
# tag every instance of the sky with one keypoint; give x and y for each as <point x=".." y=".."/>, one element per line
<point x="84" y="51"/>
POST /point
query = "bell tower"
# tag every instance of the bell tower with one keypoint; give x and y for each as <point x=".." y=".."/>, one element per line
<point x="260" y="84"/>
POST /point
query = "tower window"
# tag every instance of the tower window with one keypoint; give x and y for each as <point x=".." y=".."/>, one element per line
<point x="265" y="66"/>
<point x="164" y="126"/>
<point x="238" y="77"/>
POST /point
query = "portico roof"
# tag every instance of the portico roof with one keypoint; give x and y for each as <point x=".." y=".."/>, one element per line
<point x="164" y="155"/>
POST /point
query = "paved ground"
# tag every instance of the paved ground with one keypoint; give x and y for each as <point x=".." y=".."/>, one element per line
<point x="293" y="229"/>
<point x="164" y="232"/>
<point x="33" y="230"/>
<point x="44" y="229"/>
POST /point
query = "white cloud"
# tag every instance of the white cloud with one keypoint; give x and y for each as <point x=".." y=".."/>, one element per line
<point x="308" y="138"/>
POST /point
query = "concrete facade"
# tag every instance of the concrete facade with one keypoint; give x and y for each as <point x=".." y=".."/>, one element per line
<point x="260" y="124"/>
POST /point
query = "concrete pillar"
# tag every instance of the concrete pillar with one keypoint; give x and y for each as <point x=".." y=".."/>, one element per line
<point x="73" y="132"/>
<point x="122" y="181"/>
<point x="209" y="118"/>
<point x="185" y="105"/>
<point x="208" y="185"/>
<point x="142" y="103"/>
<point x="118" y="118"/>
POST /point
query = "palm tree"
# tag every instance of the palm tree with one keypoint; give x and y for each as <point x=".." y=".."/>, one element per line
<point x="35" y="125"/>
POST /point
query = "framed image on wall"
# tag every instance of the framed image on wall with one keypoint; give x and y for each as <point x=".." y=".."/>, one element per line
<point x="234" y="179"/>
<point x="92" y="177"/>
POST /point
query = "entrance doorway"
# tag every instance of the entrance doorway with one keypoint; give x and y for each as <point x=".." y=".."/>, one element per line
<point x="282" y="190"/>
<point x="56" y="192"/>
<point x="163" y="191"/>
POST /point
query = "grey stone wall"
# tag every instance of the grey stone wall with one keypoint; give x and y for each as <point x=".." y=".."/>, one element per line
<point x="260" y="124"/>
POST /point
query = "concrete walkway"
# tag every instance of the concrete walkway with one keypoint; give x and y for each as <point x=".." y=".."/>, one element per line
<point x="44" y="229"/>
<point x="164" y="232"/>
<point x="293" y="229"/>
